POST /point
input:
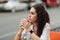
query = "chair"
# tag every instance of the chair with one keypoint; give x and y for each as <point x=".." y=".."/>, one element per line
<point x="54" y="35"/>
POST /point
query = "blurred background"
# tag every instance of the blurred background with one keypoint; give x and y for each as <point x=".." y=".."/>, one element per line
<point x="11" y="11"/>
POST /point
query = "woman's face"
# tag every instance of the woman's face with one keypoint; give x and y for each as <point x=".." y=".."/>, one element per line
<point x="32" y="15"/>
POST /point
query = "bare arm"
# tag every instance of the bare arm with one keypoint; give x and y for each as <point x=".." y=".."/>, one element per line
<point x="18" y="35"/>
<point x="45" y="35"/>
<point x="34" y="36"/>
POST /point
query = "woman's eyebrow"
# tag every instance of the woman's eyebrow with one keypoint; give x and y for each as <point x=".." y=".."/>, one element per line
<point x="31" y="12"/>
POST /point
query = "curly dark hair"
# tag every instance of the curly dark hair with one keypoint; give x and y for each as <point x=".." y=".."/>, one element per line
<point x="42" y="17"/>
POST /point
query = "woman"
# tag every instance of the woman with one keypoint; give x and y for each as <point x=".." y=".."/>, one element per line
<point x="37" y="26"/>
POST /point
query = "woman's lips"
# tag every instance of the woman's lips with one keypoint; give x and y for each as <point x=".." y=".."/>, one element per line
<point x="29" y="19"/>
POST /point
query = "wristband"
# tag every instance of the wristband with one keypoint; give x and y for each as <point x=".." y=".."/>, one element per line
<point x="31" y="31"/>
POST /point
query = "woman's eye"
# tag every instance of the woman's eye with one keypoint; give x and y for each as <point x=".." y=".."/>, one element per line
<point x="32" y="13"/>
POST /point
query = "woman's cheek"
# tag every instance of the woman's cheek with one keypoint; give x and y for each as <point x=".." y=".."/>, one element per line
<point x="32" y="19"/>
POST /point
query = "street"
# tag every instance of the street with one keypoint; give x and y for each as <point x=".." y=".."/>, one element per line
<point x="9" y="22"/>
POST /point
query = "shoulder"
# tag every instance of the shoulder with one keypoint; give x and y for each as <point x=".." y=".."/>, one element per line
<point x="46" y="29"/>
<point x="46" y="32"/>
<point x="47" y="26"/>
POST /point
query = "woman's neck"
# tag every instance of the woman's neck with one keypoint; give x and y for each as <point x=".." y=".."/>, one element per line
<point x="35" y="27"/>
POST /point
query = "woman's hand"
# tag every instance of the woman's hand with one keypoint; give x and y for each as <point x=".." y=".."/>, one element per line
<point x="27" y="27"/>
<point x="25" y="24"/>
